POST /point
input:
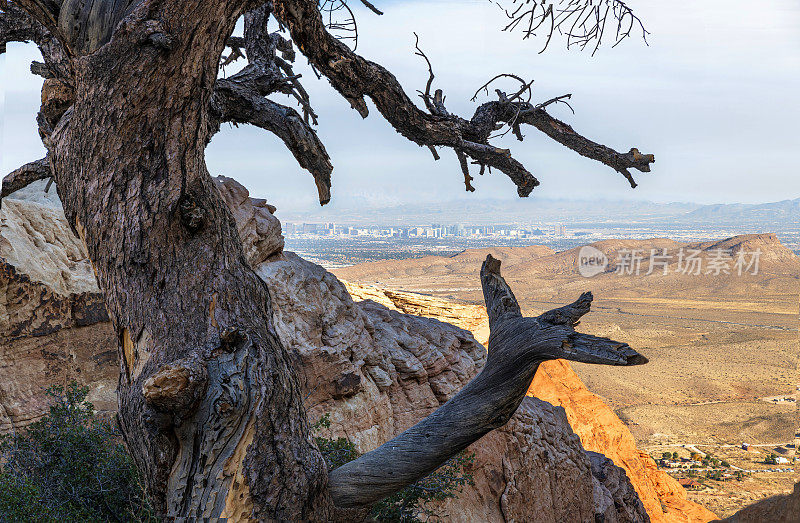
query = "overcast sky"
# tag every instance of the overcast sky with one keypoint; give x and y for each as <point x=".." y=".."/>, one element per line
<point x="714" y="97"/>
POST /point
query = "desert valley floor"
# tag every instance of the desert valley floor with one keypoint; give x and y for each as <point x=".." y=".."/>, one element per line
<point x="723" y="349"/>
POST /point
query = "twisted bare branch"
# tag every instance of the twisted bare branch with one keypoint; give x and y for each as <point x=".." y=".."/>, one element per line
<point x="517" y="346"/>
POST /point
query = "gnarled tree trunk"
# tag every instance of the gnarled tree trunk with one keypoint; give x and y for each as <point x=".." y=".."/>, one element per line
<point x="203" y="375"/>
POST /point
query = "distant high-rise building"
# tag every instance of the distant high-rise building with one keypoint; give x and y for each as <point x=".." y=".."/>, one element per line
<point x="560" y="230"/>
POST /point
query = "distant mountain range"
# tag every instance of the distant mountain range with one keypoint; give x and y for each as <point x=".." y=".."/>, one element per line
<point x="787" y="211"/>
<point x="775" y="216"/>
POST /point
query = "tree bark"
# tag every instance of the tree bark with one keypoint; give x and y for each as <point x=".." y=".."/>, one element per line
<point x="208" y="401"/>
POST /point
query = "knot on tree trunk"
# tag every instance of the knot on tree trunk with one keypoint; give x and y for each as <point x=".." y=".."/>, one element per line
<point x="57" y="97"/>
<point x="193" y="217"/>
<point x="177" y="387"/>
<point x="156" y="35"/>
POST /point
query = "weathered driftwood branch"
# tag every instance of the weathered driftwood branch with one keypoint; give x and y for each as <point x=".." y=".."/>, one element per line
<point x="27" y="174"/>
<point x="517" y="345"/>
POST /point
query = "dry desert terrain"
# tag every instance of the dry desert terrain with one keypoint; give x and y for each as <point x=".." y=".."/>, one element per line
<point x="723" y="348"/>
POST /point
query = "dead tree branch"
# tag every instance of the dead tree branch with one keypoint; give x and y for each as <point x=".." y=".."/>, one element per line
<point x="355" y="78"/>
<point x="25" y="175"/>
<point x="238" y="102"/>
<point x="566" y="136"/>
<point x="583" y="22"/>
<point x="517" y="346"/>
<point x="371" y="7"/>
<point x="340" y="20"/>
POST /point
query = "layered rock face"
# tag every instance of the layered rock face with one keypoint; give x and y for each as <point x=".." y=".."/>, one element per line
<point x="372" y="366"/>
<point x="53" y="322"/>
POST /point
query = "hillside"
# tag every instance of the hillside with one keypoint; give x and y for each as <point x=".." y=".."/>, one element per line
<point x="592" y="420"/>
<point x="784" y="211"/>
<point x="720" y="346"/>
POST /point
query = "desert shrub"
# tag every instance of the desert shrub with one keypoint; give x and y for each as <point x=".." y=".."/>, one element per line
<point x="412" y="504"/>
<point x="69" y="466"/>
<point x="337" y="451"/>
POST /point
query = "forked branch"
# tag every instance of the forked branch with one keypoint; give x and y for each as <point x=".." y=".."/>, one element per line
<point x="517" y="345"/>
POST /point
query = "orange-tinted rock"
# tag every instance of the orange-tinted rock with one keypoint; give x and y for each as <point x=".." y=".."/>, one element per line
<point x="602" y="431"/>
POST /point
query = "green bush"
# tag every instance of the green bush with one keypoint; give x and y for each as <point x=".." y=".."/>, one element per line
<point x="412" y="503"/>
<point x="69" y="466"/>
<point x="337" y="451"/>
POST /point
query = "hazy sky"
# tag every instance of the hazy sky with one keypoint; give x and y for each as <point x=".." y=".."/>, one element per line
<point x="714" y="97"/>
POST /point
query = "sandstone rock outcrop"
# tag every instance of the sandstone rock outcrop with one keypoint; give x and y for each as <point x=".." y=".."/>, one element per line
<point x="602" y="431"/>
<point x="53" y="322"/>
<point x="259" y="229"/>
<point x="376" y="366"/>
<point x="614" y="497"/>
<point x="47" y="280"/>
